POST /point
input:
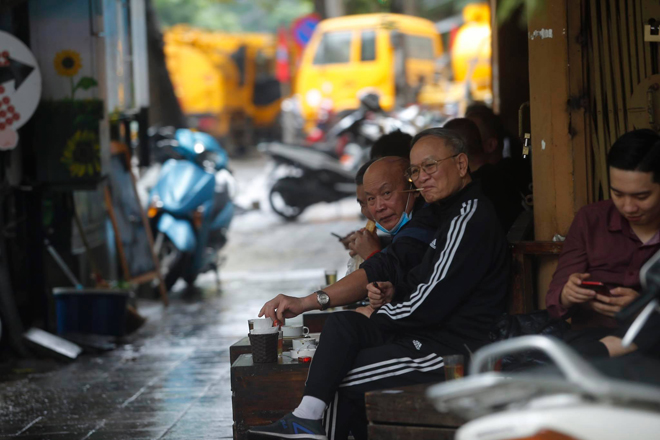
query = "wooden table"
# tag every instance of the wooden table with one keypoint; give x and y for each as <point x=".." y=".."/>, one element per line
<point x="264" y="393"/>
<point x="405" y="413"/>
<point x="315" y="320"/>
<point x="243" y="347"/>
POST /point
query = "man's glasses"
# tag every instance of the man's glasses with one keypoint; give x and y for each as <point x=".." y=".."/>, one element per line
<point x="429" y="167"/>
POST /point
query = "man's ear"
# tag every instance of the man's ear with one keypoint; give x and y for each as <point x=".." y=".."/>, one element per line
<point x="490" y="146"/>
<point x="462" y="164"/>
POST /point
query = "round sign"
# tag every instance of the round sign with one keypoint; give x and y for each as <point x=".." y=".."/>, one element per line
<point x="303" y="28"/>
<point x="20" y="88"/>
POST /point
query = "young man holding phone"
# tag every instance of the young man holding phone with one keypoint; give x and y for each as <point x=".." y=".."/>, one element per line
<point x="608" y="242"/>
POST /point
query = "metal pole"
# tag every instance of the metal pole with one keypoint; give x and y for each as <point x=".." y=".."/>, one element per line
<point x="334" y="8"/>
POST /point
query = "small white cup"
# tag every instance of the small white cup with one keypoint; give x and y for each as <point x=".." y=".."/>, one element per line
<point x="295" y="331"/>
<point x="264" y="330"/>
<point x="304" y="343"/>
<point x="306" y="353"/>
<point x="259" y="323"/>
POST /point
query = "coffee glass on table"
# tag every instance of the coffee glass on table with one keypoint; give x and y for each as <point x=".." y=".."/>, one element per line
<point x="280" y="343"/>
<point x="454" y="366"/>
<point x="330" y="277"/>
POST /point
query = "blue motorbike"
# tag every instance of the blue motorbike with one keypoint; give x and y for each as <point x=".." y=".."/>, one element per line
<point x="190" y="207"/>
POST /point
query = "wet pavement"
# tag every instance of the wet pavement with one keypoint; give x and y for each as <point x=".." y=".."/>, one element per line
<point x="171" y="379"/>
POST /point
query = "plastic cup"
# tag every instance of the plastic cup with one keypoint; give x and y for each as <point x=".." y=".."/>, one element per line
<point x="259" y="323"/>
<point x="264" y="347"/>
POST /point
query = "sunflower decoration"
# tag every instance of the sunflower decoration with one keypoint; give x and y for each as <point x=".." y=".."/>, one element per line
<point x="82" y="154"/>
<point x="68" y="63"/>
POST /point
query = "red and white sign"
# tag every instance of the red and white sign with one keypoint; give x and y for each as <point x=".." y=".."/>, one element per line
<point x="20" y="88"/>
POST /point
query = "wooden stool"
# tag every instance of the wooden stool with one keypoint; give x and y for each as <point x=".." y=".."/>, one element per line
<point x="405" y="413"/>
<point x="264" y="393"/>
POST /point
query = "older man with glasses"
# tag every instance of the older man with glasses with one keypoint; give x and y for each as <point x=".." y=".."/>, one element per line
<point x="446" y="305"/>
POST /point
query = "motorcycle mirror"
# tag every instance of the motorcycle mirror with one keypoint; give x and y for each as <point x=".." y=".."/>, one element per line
<point x="648" y="301"/>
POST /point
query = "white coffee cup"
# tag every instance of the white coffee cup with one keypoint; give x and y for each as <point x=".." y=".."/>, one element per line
<point x="264" y="330"/>
<point x="303" y="343"/>
<point x="295" y="331"/>
<point x="260" y="323"/>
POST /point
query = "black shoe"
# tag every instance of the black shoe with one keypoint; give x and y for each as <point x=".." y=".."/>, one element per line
<point x="291" y="427"/>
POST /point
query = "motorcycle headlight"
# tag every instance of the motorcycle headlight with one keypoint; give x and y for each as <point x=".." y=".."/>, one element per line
<point x="154" y="206"/>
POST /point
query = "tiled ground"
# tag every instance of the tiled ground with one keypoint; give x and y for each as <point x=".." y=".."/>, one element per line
<point x="170" y="380"/>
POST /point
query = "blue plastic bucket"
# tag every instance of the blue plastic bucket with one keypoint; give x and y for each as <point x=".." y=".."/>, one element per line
<point x="98" y="311"/>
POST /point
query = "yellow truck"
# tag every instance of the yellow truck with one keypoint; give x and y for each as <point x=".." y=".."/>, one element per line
<point x="391" y="55"/>
<point x="470" y="61"/>
<point x="471" y="52"/>
<point x="225" y="82"/>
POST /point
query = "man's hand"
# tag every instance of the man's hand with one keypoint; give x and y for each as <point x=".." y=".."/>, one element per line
<point x="611" y="305"/>
<point x="615" y="348"/>
<point x="281" y="307"/>
<point x="364" y="244"/>
<point x="366" y="311"/>
<point x="380" y="293"/>
<point x="573" y="294"/>
<point x="348" y="239"/>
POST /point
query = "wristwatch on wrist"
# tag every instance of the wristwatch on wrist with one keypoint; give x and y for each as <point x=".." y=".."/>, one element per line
<point x="323" y="299"/>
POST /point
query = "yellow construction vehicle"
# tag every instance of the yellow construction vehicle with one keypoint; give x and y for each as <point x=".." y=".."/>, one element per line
<point x="225" y="82"/>
<point x="470" y="62"/>
<point x="471" y="52"/>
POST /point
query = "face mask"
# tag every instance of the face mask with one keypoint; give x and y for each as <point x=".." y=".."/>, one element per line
<point x="405" y="218"/>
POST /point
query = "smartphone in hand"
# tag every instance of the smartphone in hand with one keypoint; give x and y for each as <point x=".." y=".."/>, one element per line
<point x="597" y="287"/>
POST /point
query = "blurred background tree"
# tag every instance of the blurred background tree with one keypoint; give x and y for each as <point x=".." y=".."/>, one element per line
<point x="268" y="15"/>
<point x="232" y="15"/>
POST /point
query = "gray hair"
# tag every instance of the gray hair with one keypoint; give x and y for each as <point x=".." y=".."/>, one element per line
<point x="453" y="139"/>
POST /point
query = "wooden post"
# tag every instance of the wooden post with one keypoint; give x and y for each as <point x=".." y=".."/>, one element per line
<point x="510" y="66"/>
<point x="558" y="156"/>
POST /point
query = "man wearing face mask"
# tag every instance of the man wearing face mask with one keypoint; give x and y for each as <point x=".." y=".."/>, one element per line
<point x="393" y="209"/>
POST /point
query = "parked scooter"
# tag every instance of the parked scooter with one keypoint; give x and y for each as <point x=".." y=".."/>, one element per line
<point x="326" y="173"/>
<point x="304" y="176"/>
<point x="584" y="404"/>
<point x="190" y="207"/>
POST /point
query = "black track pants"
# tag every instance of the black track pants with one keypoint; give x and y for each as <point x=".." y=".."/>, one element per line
<point x="354" y="357"/>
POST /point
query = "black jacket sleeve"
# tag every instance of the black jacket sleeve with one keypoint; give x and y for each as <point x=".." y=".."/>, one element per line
<point x="464" y="248"/>
<point x="404" y="253"/>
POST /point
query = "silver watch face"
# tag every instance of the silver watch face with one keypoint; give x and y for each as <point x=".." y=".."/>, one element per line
<point x="323" y="298"/>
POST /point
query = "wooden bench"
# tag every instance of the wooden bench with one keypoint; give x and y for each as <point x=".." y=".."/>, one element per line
<point x="522" y="298"/>
<point x="405" y="413"/>
<point x="264" y="393"/>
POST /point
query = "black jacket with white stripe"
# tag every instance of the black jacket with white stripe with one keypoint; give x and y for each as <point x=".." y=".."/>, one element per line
<point x="409" y="245"/>
<point x="454" y="296"/>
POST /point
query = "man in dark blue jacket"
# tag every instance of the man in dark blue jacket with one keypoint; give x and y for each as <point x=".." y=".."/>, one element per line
<point x="446" y="305"/>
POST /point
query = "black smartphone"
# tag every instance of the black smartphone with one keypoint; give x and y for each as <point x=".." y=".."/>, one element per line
<point x="597" y="287"/>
